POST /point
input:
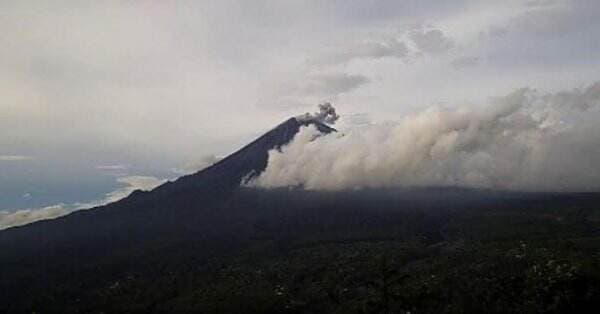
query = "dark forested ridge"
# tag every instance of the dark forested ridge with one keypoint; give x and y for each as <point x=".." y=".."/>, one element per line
<point x="204" y="244"/>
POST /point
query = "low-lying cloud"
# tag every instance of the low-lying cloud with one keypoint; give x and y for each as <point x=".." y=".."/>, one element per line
<point x="198" y="164"/>
<point x="527" y="140"/>
<point x="14" y="157"/>
<point x="25" y="216"/>
<point x="130" y="184"/>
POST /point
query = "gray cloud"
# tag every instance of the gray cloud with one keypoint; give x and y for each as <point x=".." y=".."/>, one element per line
<point x="357" y="119"/>
<point x="465" y="62"/>
<point x="540" y="3"/>
<point x="312" y="88"/>
<point x="326" y="114"/>
<point x="582" y="99"/>
<point x="564" y="30"/>
<point x="331" y="84"/>
<point x="432" y="41"/>
<point x="496" y="31"/>
<point x="527" y="140"/>
<point x="391" y="48"/>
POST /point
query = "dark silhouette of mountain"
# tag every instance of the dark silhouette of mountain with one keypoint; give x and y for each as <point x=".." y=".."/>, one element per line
<point x="167" y="205"/>
<point x="204" y="243"/>
<point x="247" y="162"/>
<point x="170" y="213"/>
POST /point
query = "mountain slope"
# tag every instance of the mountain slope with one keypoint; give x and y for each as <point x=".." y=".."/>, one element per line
<point x="248" y="161"/>
<point x="203" y="244"/>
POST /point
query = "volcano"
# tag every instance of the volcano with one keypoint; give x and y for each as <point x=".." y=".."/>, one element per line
<point x="188" y="195"/>
<point x="173" y="213"/>
<point x="227" y="174"/>
<point x="205" y="243"/>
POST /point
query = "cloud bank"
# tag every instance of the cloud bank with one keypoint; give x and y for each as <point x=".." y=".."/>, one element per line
<point x="25" y="216"/>
<point x="130" y="184"/>
<point x="527" y="140"/>
<point x="196" y="165"/>
<point x="14" y="158"/>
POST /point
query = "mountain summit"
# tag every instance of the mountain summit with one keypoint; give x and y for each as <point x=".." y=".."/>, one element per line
<point x="249" y="161"/>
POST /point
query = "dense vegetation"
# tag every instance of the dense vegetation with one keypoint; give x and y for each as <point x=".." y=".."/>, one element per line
<point x="418" y="251"/>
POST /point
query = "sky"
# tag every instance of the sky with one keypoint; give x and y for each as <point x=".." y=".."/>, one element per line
<point x="102" y="97"/>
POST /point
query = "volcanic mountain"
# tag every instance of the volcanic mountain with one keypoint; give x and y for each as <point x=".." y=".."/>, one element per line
<point x="167" y="204"/>
<point x="175" y="212"/>
<point x="247" y="162"/>
<point x="204" y="243"/>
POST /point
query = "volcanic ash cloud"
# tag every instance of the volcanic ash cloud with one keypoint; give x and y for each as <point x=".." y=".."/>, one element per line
<point x="326" y="114"/>
<point x="526" y="140"/>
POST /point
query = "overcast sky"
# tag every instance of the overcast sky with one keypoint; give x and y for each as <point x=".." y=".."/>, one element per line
<point x="92" y="92"/>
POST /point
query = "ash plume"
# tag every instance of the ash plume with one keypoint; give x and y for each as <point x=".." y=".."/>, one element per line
<point x="325" y="115"/>
<point x="526" y="141"/>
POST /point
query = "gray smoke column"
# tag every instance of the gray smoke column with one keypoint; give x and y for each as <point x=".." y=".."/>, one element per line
<point x="325" y="115"/>
<point x="525" y="141"/>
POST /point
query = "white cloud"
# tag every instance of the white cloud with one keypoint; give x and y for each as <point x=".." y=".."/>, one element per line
<point x="111" y="167"/>
<point x="131" y="183"/>
<point x="14" y="157"/>
<point x="197" y="164"/>
<point x="25" y="216"/>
